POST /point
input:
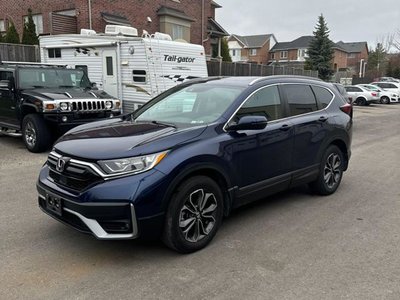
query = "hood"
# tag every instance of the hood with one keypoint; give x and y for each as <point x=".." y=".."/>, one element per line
<point x="66" y="93"/>
<point x="118" y="138"/>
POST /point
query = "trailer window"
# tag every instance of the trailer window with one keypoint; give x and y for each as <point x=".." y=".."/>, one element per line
<point x="54" y="52"/>
<point x="109" y="66"/>
<point x="139" y="75"/>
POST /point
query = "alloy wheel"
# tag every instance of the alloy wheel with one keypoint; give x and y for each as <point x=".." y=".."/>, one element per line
<point x="332" y="170"/>
<point x="197" y="217"/>
<point x="30" y="135"/>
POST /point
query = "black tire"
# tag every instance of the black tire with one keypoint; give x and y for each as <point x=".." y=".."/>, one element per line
<point x="385" y="100"/>
<point x="361" y="101"/>
<point x="36" y="135"/>
<point x="330" y="173"/>
<point x="183" y="231"/>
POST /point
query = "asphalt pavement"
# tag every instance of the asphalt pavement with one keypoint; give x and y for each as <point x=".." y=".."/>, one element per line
<point x="293" y="245"/>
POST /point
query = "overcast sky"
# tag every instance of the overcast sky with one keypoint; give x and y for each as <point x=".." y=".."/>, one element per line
<point x="348" y="20"/>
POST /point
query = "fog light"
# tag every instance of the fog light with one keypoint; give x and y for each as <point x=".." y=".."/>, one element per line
<point x="64" y="119"/>
<point x="111" y="115"/>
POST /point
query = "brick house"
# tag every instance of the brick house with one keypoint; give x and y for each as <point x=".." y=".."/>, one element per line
<point x="186" y="20"/>
<point x="251" y="48"/>
<point x="346" y="56"/>
<point x="357" y="55"/>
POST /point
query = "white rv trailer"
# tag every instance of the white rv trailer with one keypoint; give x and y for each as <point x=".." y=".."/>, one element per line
<point x="131" y="68"/>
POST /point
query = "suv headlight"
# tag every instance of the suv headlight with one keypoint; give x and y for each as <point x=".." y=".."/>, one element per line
<point x="64" y="106"/>
<point x="131" y="165"/>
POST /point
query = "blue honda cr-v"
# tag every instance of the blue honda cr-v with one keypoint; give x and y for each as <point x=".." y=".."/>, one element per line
<point x="176" y="166"/>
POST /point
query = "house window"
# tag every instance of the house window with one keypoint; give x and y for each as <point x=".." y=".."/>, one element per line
<point x="2" y="26"/>
<point x="284" y="54"/>
<point x="253" y="52"/>
<point x="302" y="53"/>
<point x="38" y="20"/>
<point x="233" y="52"/>
<point x="177" y="32"/>
<point x="272" y="55"/>
<point x="351" y="55"/>
<point x="54" y="52"/>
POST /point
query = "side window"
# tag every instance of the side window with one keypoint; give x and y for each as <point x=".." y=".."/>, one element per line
<point x="54" y="52"/>
<point x="300" y="99"/>
<point x="324" y="96"/>
<point x="265" y="102"/>
<point x="6" y="75"/>
<point x="109" y="66"/>
<point x="390" y="86"/>
<point x="356" y="89"/>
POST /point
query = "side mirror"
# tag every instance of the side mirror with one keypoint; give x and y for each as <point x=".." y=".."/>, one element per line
<point x="5" y="84"/>
<point x="94" y="85"/>
<point x="249" y="123"/>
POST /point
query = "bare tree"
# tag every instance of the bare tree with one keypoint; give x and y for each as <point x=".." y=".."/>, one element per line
<point x="396" y="40"/>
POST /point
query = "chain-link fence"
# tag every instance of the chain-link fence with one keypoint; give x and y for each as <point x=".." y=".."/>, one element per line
<point x="216" y="68"/>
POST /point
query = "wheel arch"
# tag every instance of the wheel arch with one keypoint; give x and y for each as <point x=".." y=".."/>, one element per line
<point x="209" y="170"/>
<point x="27" y="109"/>
<point x="343" y="147"/>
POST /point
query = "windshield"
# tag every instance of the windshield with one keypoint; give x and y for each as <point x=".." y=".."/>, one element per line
<point x="29" y="78"/>
<point x="201" y="103"/>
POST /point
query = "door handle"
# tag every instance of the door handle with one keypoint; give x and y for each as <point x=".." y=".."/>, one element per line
<point x="322" y="118"/>
<point x="285" y="127"/>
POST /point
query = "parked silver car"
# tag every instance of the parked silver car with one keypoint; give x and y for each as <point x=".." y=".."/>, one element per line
<point x="361" y="95"/>
<point x="386" y="96"/>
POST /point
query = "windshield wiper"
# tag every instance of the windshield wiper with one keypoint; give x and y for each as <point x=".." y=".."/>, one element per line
<point x="65" y="86"/>
<point x="38" y="86"/>
<point x="156" y="122"/>
<point x="163" y="123"/>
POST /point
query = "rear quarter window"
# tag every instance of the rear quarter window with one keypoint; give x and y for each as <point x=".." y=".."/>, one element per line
<point x="323" y="95"/>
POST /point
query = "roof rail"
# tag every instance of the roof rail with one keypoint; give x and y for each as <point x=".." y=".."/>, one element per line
<point x="282" y="76"/>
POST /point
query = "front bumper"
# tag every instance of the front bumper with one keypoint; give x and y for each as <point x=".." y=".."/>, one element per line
<point x="106" y="221"/>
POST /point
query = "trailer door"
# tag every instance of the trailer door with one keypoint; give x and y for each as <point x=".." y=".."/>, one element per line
<point x="110" y="81"/>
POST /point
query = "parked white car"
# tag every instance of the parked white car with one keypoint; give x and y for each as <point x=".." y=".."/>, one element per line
<point x="389" y="86"/>
<point x="386" y="96"/>
<point x="362" y="96"/>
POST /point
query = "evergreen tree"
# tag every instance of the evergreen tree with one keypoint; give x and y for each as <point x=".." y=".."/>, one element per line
<point x="225" y="50"/>
<point x="12" y="36"/>
<point x="377" y="58"/>
<point x="320" y="51"/>
<point x="1" y="38"/>
<point x="29" y="36"/>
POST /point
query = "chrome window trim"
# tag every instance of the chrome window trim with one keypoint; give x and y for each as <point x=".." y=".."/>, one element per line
<point x="286" y="118"/>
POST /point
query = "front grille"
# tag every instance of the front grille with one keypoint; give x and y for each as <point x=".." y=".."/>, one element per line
<point x="88" y="105"/>
<point x="74" y="176"/>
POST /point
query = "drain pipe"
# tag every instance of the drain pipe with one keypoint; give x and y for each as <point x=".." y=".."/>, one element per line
<point x="90" y="13"/>
<point x="202" y="22"/>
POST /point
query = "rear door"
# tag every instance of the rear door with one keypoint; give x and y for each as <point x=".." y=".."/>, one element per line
<point x="311" y="125"/>
<point x="262" y="158"/>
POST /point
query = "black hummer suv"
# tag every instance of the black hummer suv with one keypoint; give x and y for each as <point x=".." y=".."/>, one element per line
<point x="40" y="102"/>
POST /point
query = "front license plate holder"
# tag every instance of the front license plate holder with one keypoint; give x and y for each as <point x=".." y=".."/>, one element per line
<point x="54" y="204"/>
